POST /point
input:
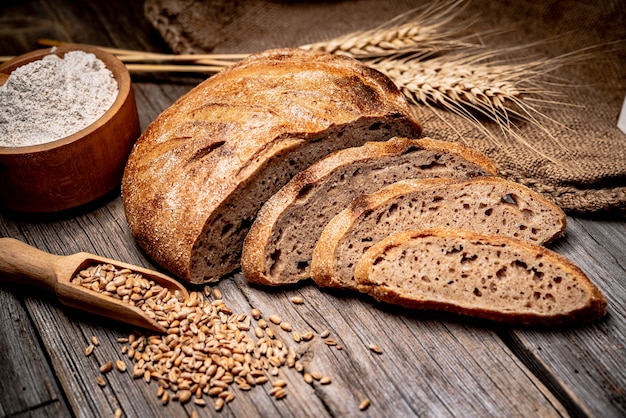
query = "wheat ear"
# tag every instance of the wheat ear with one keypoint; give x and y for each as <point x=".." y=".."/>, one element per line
<point x="431" y="63"/>
<point x="415" y="31"/>
<point x="469" y="84"/>
<point x="480" y="85"/>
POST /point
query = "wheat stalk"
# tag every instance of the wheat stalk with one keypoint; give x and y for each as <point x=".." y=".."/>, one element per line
<point x="431" y="63"/>
<point x="476" y="85"/>
<point x="482" y="85"/>
<point x="422" y="31"/>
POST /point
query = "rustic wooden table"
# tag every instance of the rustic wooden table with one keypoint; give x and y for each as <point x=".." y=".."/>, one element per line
<point x="431" y="365"/>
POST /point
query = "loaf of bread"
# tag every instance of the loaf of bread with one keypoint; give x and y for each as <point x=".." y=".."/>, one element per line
<point x="489" y="205"/>
<point x="493" y="277"/>
<point x="200" y="172"/>
<point x="279" y="246"/>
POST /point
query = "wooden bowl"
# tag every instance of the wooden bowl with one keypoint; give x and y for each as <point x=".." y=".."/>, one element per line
<point x="71" y="171"/>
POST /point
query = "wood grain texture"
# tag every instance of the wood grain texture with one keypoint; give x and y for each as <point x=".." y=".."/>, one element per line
<point x="28" y="385"/>
<point x="424" y="357"/>
<point x="432" y="364"/>
<point x="585" y="365"/>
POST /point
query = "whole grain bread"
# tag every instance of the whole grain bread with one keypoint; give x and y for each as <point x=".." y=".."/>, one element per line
<point x="280" y="243"/>
<point x="488" y="276"/>
<point x="489" y="205"/>
<point x="200" y="172"/>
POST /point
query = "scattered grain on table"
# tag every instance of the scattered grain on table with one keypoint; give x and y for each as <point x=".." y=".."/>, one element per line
<point x="206" y="348"/>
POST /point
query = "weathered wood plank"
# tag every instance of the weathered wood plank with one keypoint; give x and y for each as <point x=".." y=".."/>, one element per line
<point x="28" y="384"/>
<point x="429" y="367"/>
<point x="53" y="409"/>
<point x="432" y="364"/>
<point x="584" y="366"/>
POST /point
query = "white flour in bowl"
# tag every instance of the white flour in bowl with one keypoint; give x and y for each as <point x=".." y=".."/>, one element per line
<point x="54" y="97"/>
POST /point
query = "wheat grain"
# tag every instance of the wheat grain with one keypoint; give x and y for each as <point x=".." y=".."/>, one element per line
<point x="106" y="367"/>
<point x="89" y="350"/>
<point x="255" y="313"/>
<point x="280" y="394"/>
<point x="365" y="403"/>
<point x="375" y="349"/>
<point x="279" y="383"/>
<point x="219" y="404"/>
<point x="184" y="396"/>
<point x="120" y="365"/>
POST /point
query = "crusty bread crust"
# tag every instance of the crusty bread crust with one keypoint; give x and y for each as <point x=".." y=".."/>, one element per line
<point x="488" y="276"/>
<point x="260" y="255"/>
<point x="197" y="176"/>
<point x="480" y="204"/>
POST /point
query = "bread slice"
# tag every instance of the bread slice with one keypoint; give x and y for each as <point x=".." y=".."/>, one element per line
<point x="279" y="246"/>
<point x="490" y="205"/>
<point x="493" y="277"/>
<point x="200" y="172"/>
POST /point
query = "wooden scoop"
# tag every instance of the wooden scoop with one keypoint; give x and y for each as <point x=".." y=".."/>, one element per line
<point x="21" y="263"/>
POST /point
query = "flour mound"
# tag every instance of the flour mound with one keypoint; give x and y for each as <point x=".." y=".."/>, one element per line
<point x="54" y="97"/>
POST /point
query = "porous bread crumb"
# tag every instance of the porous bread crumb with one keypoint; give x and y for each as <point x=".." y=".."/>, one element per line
<point x="279" y="246"/>
<point x="482" y="275"/>
<point x="488" y="204"/>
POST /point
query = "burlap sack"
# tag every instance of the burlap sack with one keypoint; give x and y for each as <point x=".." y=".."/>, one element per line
<point x="579" y="160"/>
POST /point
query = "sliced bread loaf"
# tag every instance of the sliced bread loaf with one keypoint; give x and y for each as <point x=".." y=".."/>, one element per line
<point x="279" y="246"/>
<point x="489" y="205"/>
<point x="200" y="172"/>
<point x="487" y="276"/>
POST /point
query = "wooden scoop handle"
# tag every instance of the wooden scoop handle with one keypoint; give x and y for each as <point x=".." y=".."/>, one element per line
<point x="21" y="263"/>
